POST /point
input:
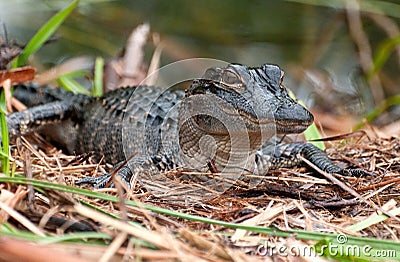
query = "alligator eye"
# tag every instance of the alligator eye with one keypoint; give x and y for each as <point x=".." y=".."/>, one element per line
<point x="230" y="78"/>
<point x="212" y="73"/>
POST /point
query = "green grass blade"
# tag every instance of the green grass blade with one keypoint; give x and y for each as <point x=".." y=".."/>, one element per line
<point x="312" y="133"/>
<point x="76" y="236"/>
<point x="98" y="77"/>
<point x="383" y="53"/>
<point x="4" y="148"/>
<point x="390" y="101"/>
<point x="69" y="84"/>
<point x="77" y="73"/>
<point x="5" y="230"/>
<point x="5" y="152"/>
<point x="2" y="154"/>
<point x="44" y="34"/>
<point x="372" y="220"/>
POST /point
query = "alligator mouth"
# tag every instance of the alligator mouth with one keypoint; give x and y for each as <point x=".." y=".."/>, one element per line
<point x="285" y="127"/>
<point x="281" y="126"/>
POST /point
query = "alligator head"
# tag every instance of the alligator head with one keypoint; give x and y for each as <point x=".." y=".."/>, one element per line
<point x="238" y="104"/>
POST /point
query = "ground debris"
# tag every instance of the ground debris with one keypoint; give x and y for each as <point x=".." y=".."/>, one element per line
<point x="285" y="199"/>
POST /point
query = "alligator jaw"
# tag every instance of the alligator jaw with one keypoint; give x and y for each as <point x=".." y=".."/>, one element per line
<point x="291" y="128"/>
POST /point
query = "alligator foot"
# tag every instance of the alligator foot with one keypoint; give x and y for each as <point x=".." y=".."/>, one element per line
<point x="102" y="181"/>
<point x="289" y="155"/>
<point x="97" y="182"/>
<point x="355" y="172"/>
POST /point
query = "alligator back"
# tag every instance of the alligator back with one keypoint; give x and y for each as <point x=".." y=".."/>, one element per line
<point x="131" y="120"/>
<point x="128" y="121"/>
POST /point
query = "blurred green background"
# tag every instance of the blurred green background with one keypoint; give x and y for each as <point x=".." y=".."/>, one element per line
<point x="310" y="40"/>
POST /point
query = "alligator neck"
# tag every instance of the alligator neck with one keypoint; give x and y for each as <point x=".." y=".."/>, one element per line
<point x="231" y="151"/>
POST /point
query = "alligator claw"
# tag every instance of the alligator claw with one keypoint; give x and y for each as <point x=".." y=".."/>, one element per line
<point x="97" y="182"/>
<point x="102" y="181"/>
<point x="356" y="172"/>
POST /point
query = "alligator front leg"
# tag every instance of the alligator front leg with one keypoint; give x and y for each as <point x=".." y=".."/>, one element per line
<point x="287" y="155"/>
<point x="35" y="118"/>
<point x="132" y="170"/>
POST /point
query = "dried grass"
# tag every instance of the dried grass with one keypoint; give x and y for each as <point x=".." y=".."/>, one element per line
<point x="286" y="199"/>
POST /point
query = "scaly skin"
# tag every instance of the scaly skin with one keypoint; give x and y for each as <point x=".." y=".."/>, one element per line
<point x="222" y="122"/>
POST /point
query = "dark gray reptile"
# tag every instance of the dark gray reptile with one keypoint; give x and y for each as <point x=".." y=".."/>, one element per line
<point x="220" y="124"/>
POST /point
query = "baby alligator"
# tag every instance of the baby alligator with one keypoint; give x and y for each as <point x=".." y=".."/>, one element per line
<point x="223" y="123"/>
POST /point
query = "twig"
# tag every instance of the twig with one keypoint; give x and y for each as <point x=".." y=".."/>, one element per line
<point x="346" y="188"/>
<point x="364" y="49"/>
